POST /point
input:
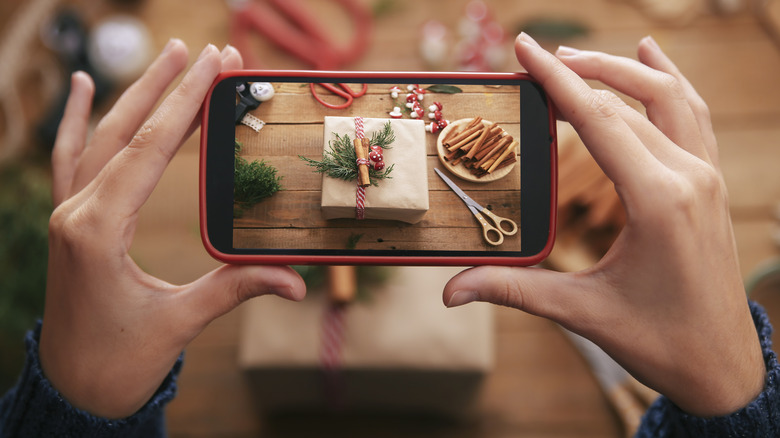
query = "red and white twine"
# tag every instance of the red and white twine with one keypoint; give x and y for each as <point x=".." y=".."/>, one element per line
<point x="331" y="342"/>
<point x="332" y="330"/>
<point x="332" y="337"/>
<point x="360" y="195"/>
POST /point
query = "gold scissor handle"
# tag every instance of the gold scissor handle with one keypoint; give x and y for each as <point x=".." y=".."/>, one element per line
<point x="489" y="230"/>
<point x="505" y="226"/>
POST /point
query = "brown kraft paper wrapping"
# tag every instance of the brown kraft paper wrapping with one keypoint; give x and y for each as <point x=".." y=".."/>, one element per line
<point x="404" y="196"/>
<point x="401" y="347"/>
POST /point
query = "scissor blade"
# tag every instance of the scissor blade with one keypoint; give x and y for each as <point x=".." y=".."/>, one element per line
<point x="461" y="194"/>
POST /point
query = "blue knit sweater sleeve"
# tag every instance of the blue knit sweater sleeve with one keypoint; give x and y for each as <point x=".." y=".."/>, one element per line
<point x="761" y="418"/>
<point x="33" y="408"/>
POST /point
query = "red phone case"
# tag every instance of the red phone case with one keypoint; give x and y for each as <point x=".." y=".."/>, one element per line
<point x="435" y="260"/>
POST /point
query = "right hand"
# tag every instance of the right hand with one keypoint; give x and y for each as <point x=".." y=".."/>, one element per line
<point x="667" y="301"/>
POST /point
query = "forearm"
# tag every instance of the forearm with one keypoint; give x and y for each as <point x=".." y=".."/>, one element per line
<point x="34" y="408"/>
<point x="760" y="417"/>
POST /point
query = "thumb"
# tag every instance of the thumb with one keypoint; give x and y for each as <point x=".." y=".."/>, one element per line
<point x="223" y="289"/>
<point x="554" y="295"/>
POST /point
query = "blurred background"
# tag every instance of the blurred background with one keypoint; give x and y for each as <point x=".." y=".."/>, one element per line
<point x="518" y="375"/>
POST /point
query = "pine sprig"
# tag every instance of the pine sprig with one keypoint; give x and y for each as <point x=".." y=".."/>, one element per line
<point x="252" y="183"/>
<point x="385" y="137"/>
<point x="340" y="160"/>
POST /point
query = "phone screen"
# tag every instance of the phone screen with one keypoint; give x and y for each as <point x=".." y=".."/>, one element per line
<point x="380" y="166"/>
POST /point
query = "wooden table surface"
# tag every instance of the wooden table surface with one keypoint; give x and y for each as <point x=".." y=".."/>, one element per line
<point x="292" y="218"/>
<point x="541" y="386"/>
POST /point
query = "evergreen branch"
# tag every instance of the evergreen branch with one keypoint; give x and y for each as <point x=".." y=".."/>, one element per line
<point x="340" y="160"/>
<point x="252" y="183"/>
<point x="385" y="137"/>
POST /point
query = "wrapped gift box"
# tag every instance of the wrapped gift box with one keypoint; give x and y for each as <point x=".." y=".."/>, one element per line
<point x="404" y="196"/>
<point x="402" y="350"/>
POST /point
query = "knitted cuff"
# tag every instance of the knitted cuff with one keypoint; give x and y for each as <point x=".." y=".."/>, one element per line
<point x="35" y="409"/>
<point x="759" y="418"/>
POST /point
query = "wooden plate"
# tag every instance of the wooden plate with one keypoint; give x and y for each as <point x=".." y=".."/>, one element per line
<point x="461" y="171"/>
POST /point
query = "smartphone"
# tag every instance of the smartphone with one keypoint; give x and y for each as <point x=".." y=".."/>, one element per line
<point x="382" y="168"/>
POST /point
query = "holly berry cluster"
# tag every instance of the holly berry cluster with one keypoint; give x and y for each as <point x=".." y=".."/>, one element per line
<point x="414" y="107"/>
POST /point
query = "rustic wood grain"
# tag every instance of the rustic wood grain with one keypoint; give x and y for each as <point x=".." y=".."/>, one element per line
<point x="292" y="218"/>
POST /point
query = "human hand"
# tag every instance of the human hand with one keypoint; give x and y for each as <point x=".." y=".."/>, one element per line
<point x="667" y="301"/>
<point x="111" y="332"/>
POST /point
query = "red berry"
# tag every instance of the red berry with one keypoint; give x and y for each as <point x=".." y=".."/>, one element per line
<point x="375" y="156"/>
<point x="376" y="147"/>
<point x="379" y="165"/>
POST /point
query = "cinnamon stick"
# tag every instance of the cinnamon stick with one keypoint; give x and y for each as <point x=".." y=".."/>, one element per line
<point x="466" y="140"/>
<point x="497" y="148"/>
<point x="479" y="173"/>
<point x="489" y="162"/>
<point x="480" y="141"/>
<point x="465" y="133"/>
<point x="342" y="283"/>
<point x="507" y="151"/>
<point x="452" y="155"/>
<point x="487" y="147"/>
<point x="452" y="134"/>
<point x="362" y="158"/>
<point x="494" y="134"/>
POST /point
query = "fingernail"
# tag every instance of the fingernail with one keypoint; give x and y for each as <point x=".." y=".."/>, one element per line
<point x="209" y="48"/>
<point x="168" y="46"/>
<point x="565" y="51"/>
<point x="75" y="75"/>
<point x="652" y="42"/>
<point x="526" y="39"/>
<point x="227" y="50"/>
<point x="462" y="297"/>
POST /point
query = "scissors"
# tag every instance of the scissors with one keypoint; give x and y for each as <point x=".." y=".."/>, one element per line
<point x="339" y="89"/>
<point x="294" y="29"/>
<point x="493" y="235"/>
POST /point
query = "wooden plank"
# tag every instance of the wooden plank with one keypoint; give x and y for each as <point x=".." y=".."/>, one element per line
<point x="492" y="105"/>
<point x="756" y="245"/>
<point x="750" y="168"/>
<point x="401" y="238"/>
<point x="301" y="209"/>
<point x="309" y="140"/>
<point x="297" y="175"/>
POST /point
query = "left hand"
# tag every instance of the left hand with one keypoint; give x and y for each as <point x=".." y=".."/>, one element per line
<point x="111" y="332"/>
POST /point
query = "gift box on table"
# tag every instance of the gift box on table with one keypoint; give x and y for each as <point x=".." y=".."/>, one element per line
<point x="401" y="349"/>
<point x="403" y="196"/>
